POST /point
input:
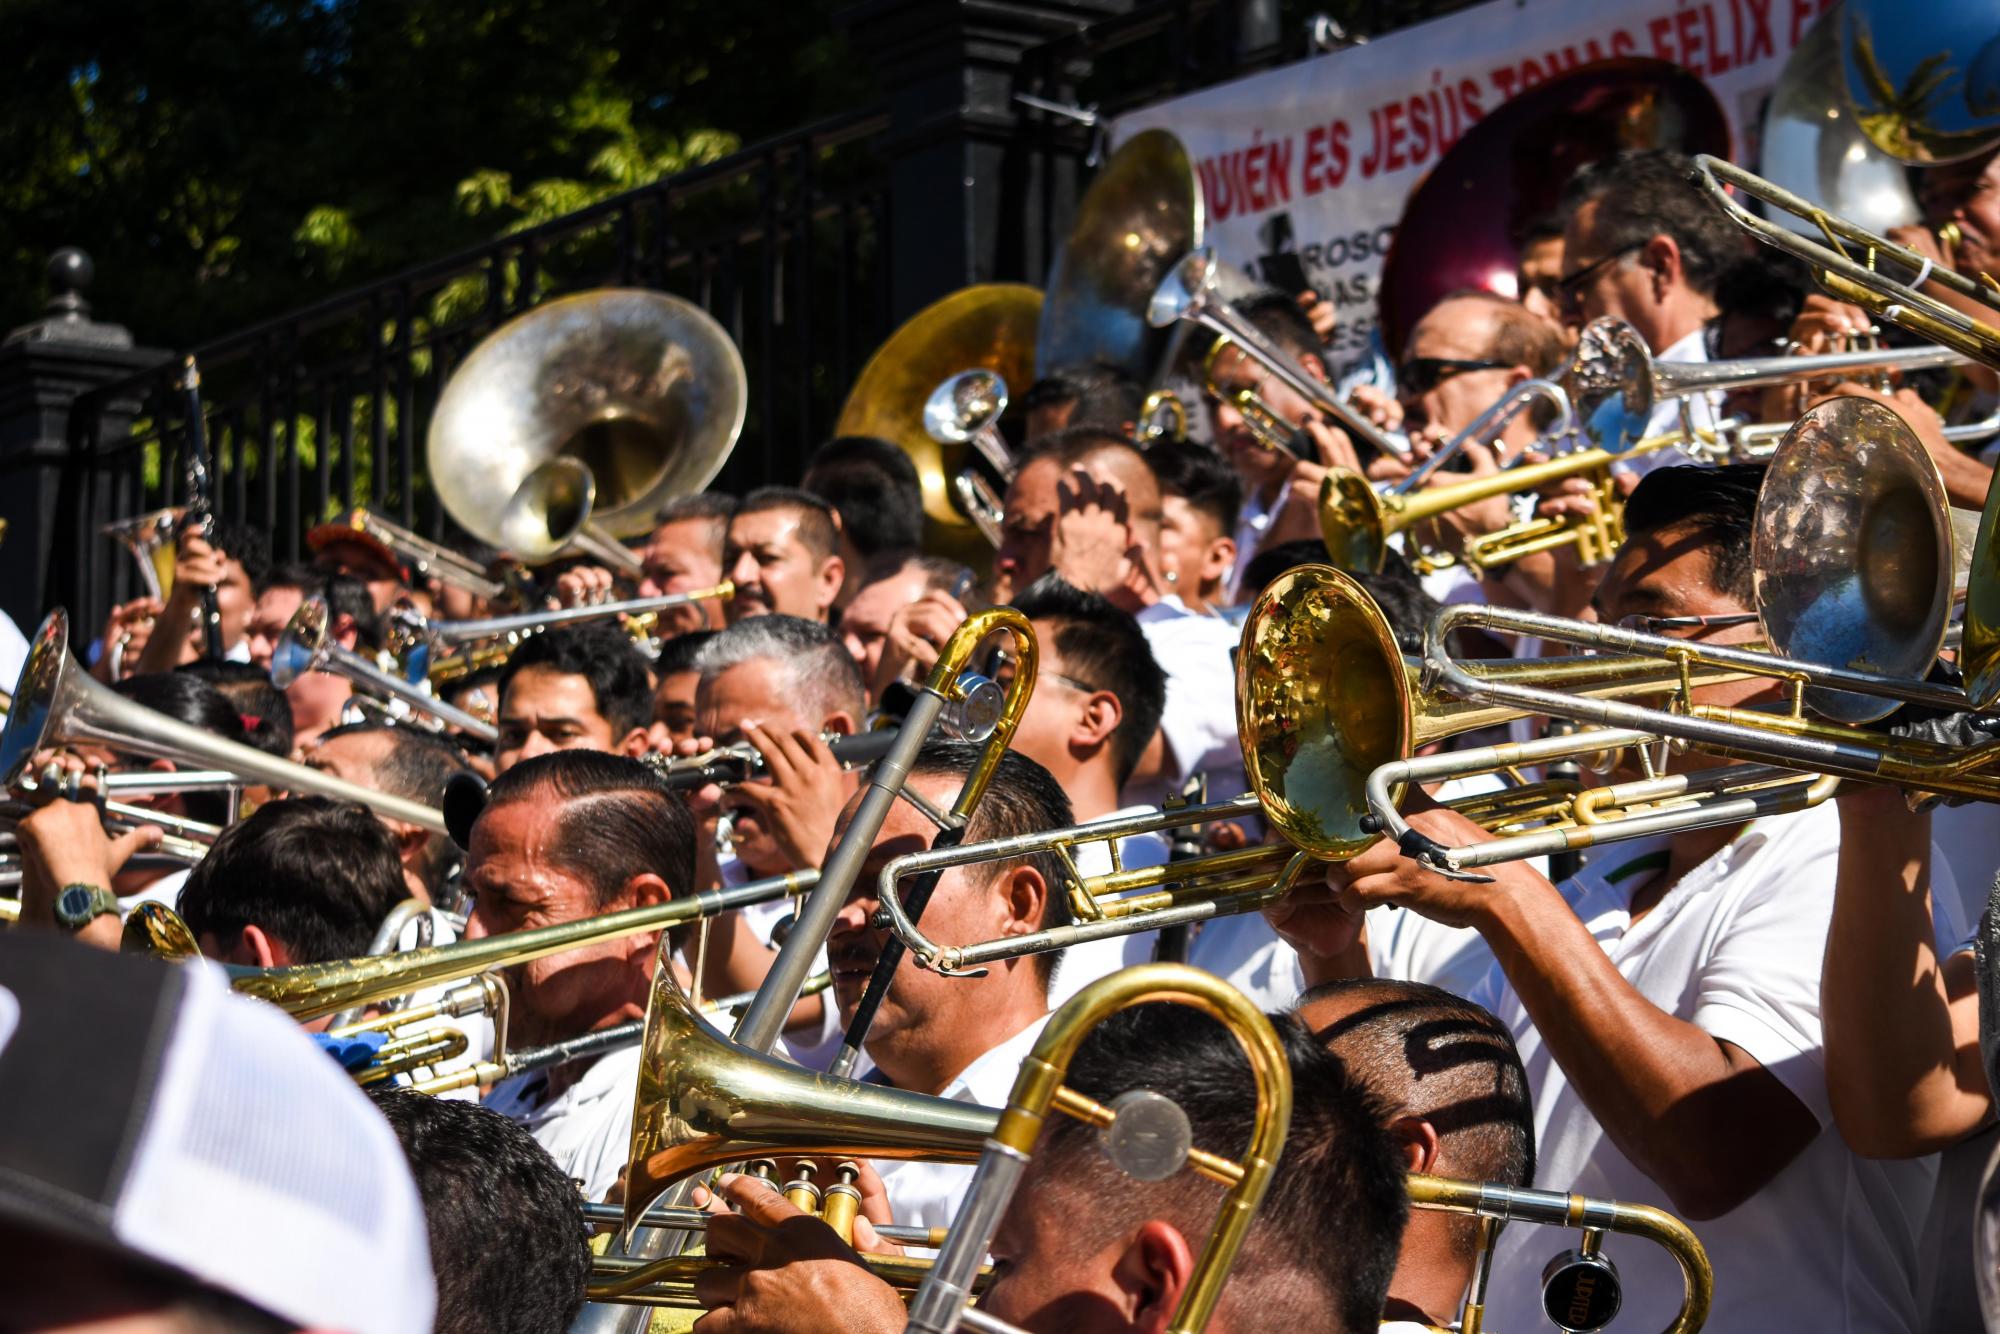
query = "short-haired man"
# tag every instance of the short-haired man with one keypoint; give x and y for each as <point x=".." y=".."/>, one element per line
<point x="508" y="1243"/>
<point x="874" y="489"/>
<point x="231" y="563"/>
<point x="1200" y="501"/>
<point x="783" y="555"/>
<point x="307" y="880"/>
<point x="1641" y="244"/>
<point x="893" y="581"/>
<point x="579" y="687"/>
<point x="678" y="677"/>
<point x="1669" y="996"/>
<point x="320" y="700"/>
<point x="1096" y="707"/>
<point x="563" y="837"/>
<point x="955" y="1037"/>
<point x="684" y="554"/>
<point x="1097" y="394"/>
<point x="783" y="685"/>
<point x="1085" y="1248"/>
<point x="402" y="762"/>
<point x="1451" y="1088"/>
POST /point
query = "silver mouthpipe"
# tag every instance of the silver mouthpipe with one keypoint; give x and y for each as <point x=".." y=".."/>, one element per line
<point x="451" y="633"/>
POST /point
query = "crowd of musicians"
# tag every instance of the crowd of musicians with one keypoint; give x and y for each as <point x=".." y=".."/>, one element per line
<point x="1767" y="1027"/>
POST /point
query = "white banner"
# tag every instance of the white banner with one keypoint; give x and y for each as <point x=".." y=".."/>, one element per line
<point x="1319" y="156"/>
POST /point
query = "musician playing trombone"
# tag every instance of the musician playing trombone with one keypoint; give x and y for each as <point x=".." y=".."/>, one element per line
<point x="1087" y="1250"/>
<point x="1667" y="999"/>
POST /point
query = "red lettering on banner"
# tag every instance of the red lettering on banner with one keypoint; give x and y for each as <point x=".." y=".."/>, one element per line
<point x="1718" y="61"/>
<point x="1392" y="119"/>
<point x="1690" y="44"/>
<point x="1420" y="130"/>
<point x="1341" y="156"/>
<point x="1759" y="46"/>
<point x="1623" y="43"/>
<point x="1309" y="180"/>
<point x="1278" y="174"/>
<point x="1660" y="29"/>
<point x="1503" y="79"/>
<point x="1253" y="172"/>
<point x="1804" y="12"/>
<point x="1468" y="96"/>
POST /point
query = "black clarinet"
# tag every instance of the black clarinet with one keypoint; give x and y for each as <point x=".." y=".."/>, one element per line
<point x="201" y="503"/>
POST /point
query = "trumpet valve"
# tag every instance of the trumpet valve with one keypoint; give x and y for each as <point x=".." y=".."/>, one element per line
<point x="843" y="1200"/>
<point x="800" y="1190"/>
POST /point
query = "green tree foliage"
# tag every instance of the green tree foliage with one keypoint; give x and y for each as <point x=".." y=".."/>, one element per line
<point x="229" y="160"/>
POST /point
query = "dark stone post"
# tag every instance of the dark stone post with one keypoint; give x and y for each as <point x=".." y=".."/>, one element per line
<point x="44" y="367"/>
<point x="963" y="196"/>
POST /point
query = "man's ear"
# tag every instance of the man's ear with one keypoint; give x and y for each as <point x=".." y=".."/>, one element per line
<point x="831" y="576"/>
<point x="342" y="630"/>
<point x="840" y="723"/>
<point x="1151" y="1274"/>
<point x="255" y="948"/>
<point x="1417" y="1142"/>
<point x="647" y="889"/>
<point x="1312" y="366"/>
<point x="1216" y="560"/>
<point x="1098" y="719"/>
<point x="1662" y="258"/>
<point x="410" y="839"/>
<point x="1024" y="898"/>
<point x="634" y="743"/>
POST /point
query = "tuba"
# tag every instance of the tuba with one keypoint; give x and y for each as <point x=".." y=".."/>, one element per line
<point x="581" y="417"/>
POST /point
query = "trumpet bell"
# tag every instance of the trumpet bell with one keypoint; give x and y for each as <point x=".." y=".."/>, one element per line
<point x="549" y="508"/>
<point x="1924" y="81"/>
<point x="1612" y="383"/>
<point x="1322" y="699"/>
<point x="965" y="405"/>
<point x="1142" y="212"/>
<point x="644" y="389"/>
<point x="301" y="644"/>
<point x="704" y="1100"/>
<point x="1853" y="550"/>
<point x="1353" y="522"/>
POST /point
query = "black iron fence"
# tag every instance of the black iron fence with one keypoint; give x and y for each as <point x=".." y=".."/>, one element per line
<point x="785" y="243"/>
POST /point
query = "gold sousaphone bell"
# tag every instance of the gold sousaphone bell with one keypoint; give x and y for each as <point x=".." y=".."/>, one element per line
<point x="991" y="327"/>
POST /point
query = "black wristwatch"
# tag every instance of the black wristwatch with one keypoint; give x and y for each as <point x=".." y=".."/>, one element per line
<point x="79" y="905"/>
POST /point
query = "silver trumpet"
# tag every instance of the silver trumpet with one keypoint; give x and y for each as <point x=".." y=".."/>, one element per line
<point x="305" y="646"/>
<point x="965" y="410"/>
<point x="186" y="841"/>
<point x="57" y="703"/>
<point x="150" y="539"/>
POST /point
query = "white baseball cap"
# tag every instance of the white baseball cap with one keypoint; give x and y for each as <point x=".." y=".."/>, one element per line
<point x="146" y="1109"/>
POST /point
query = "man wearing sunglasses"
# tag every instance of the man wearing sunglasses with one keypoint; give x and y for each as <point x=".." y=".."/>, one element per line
<point x="1641" y="245"/>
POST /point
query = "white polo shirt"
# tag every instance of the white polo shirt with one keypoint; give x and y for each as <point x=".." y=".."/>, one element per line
<point x="587" y="1128"/>
<point x="1735" y="948"/>
<point x="1703" y="408"/>
<point x="928" y="1194"/>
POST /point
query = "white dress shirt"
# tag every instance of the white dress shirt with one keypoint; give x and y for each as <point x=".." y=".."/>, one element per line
<point x="928" y="1194"/>
<point x="1734" y="948"/>
<point x="1083" y="964"/>
<point x="1253" y="521"/>
<point x="587" y="1128"/>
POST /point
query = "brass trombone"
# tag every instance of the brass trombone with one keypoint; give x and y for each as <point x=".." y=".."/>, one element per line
<point x="57" y="703"/>
<point x="414" y="636"/>
<point x="1188" y="292"/>
<point x="308" y="991"/>
<point x="1147" y="1120"/>
<point x="1324" y="698"/>
<point x="1860" y="281"/>
<point x="305" y="646"/>
<point x="424" y="556"/>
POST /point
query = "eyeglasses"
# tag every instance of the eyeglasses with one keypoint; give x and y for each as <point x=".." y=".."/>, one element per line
<point x="1570" y="289"/>
<point x="1661" y="625"/>
<point x="1081" y="687"/>
<point x="1420" y="375"/>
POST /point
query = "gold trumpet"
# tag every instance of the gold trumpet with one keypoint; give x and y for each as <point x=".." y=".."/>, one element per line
<point x="1162" y="416"/>
<point x="414" y="638"/>
<point x="1356" y="520"/>
<point x="424" y="556"/>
